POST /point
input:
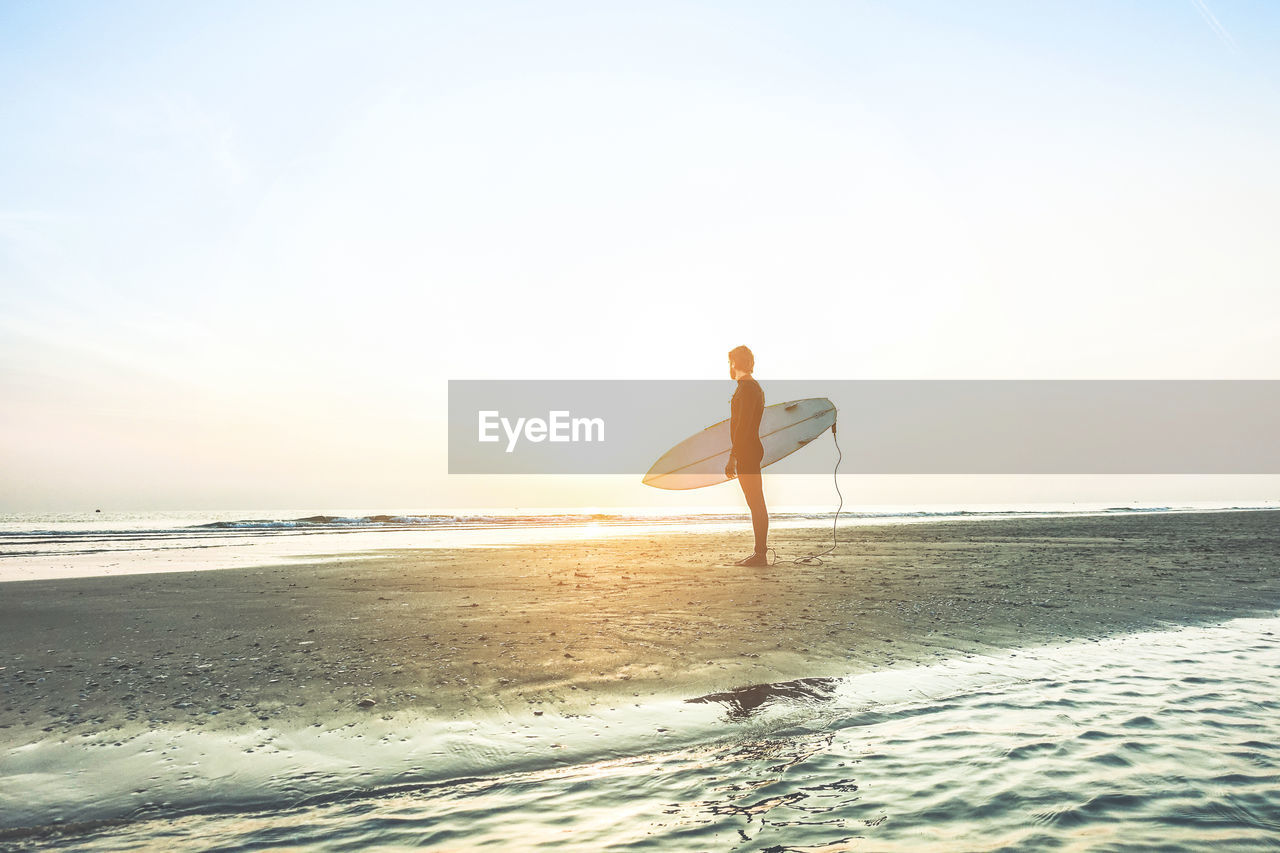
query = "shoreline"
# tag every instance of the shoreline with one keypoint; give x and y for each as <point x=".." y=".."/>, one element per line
<point x="243" y="546"/>
<point x="564" y="627"/>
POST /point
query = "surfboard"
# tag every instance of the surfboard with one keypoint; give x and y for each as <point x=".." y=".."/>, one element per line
<point x="699" y="460"/>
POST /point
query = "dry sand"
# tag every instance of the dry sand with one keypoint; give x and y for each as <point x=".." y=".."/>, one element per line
<point x="445" y="633"/>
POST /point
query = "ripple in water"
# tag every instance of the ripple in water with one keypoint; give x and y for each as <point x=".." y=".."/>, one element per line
<point x="1161" y="740"/>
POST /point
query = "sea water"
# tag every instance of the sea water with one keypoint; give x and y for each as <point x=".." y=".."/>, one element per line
<point x="1158" y="740"/>
<point x="50" y="546"/>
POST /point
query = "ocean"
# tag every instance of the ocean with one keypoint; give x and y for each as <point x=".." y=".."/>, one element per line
<point x="47" y="546"/>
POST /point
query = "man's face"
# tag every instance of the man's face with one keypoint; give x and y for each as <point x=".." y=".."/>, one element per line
<point x="731" y="370"/>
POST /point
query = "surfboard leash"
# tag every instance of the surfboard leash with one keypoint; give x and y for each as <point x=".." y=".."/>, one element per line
<point x="816" y="558"/>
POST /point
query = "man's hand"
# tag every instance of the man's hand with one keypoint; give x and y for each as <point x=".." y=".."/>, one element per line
<point x="731" y="468"/>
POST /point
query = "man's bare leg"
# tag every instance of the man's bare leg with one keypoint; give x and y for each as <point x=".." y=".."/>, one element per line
<point x="753" y="490"/>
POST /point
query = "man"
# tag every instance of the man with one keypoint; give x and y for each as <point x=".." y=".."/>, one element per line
<point x="745" y="411"/>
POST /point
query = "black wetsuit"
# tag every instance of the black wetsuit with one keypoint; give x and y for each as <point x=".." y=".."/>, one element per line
<point x="744" y="425"/>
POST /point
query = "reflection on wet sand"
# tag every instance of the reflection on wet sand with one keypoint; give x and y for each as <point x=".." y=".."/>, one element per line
<point x="742" y="702"/>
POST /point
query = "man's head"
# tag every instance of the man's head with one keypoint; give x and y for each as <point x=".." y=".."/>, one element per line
<point x="741" y="359"/>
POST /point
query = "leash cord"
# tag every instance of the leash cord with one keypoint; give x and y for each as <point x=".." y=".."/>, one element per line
<point x="816" y="559"/>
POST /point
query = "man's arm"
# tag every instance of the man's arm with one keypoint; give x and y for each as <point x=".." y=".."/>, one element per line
<point x="735" y="419"/>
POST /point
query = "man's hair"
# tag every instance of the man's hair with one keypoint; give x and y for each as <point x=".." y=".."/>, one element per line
<point x="743" y="359"/>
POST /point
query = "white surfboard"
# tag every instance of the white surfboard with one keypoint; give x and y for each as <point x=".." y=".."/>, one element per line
<point x="699" y="460"/>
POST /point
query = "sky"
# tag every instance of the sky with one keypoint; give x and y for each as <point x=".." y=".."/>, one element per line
<point x="244" y="246"/>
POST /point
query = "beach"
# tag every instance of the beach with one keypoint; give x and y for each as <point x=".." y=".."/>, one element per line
<point x="392" y="393"/>
<point x="565" y="628"/>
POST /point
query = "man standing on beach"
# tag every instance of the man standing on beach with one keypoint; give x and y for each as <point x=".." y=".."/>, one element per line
<point x="745" y="409"/>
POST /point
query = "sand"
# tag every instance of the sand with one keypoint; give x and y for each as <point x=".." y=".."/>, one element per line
<point x="567" y="627"/>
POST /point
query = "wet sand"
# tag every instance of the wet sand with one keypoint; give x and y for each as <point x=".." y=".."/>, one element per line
<point x="562" y="628"/>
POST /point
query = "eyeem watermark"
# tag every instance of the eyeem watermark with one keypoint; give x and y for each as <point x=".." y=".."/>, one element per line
<point x="558" y="426"/>
<point x="917" y="426"/>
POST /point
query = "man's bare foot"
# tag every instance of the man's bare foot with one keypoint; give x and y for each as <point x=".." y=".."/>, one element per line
<point x="753" y="560"/>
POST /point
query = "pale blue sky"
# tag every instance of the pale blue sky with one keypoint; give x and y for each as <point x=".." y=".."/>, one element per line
<point x="243" y="246"/>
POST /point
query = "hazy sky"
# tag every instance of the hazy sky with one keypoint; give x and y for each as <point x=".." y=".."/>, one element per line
<point x="243" y="246"/>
